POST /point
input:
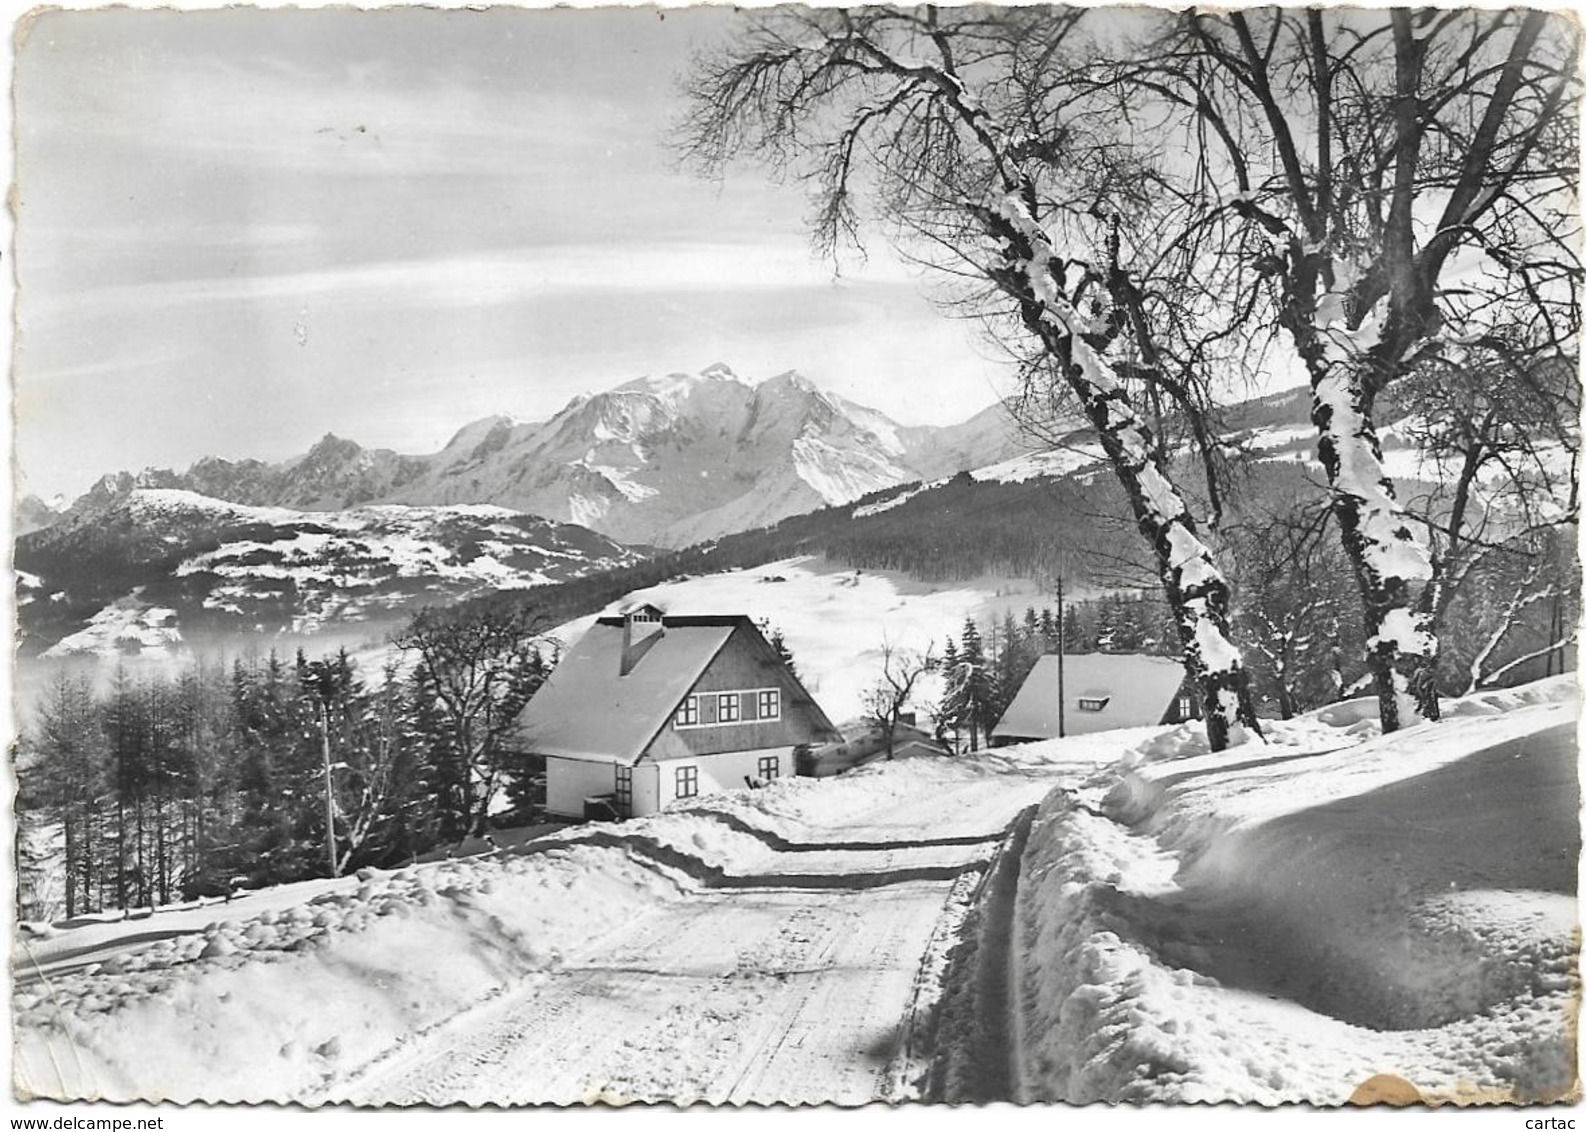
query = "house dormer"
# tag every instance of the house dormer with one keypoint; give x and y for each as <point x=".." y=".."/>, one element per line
<point x="1085" y="692"/>
<point x="642" y="626"/>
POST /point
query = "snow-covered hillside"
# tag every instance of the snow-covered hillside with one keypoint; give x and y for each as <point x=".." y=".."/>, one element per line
<point x="1328" y="915"/>
<point x="164" y="563"/>
<point x="836" y="621"/>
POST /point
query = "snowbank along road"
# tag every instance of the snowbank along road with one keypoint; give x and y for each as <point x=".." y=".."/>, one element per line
<point x="784" y="945"/>
<point x="1118" y="917"/>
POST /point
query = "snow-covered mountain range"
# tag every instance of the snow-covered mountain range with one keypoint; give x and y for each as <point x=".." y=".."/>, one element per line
<point x="754" y="472"/>
<point x="664" y="461"/>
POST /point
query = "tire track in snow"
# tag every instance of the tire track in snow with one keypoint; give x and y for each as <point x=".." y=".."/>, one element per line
<point x="659" y="1017"/>
<point x="791" y="987"/>
<point x="909" y="1073"/>
<point x="980" y="1035"/>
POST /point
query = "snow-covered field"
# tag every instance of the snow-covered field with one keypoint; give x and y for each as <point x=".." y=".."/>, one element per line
<point x="1280" y="922"/>
<point x="836" y="620"/>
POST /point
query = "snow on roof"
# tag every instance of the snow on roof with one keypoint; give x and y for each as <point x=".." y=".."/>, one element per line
<point x="1131" y="690"/>
<point x="588" y="710"/>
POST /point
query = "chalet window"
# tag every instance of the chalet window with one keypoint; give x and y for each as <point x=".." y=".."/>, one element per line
<point x="624" y="791"/>
<point x="706" y="709"/>
<point x="1185" y="708"/>
<point x="687" y="781"/>
<point x="1093" y="703"/>
<point x="770" y="767"/>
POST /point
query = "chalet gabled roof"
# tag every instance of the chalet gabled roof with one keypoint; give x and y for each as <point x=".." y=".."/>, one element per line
<point x="1138" y="691"/>
<point x="588" y="710"/>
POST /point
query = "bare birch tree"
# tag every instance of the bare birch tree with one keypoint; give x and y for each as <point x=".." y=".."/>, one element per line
<point x="958" y="127"/>
<point x="1412" y="177"/>
<point x="477" y="666"/>
<point x="886" y="699"/>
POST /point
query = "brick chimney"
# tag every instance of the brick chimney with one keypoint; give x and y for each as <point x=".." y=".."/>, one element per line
<point x="641" y="628"/>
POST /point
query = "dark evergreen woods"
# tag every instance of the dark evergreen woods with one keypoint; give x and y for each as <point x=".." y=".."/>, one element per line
<point x="160" y="788"/>
<point x="962" y="529"/>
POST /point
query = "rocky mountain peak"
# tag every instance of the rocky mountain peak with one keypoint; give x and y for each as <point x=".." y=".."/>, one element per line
<point x="662" y="459"/>
<point x="331" y="449"/>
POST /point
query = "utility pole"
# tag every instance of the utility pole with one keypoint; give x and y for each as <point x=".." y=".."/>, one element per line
<point x="328" y="683"/>
<point x="1060" y="650"/>
<point x="330" y="788"/>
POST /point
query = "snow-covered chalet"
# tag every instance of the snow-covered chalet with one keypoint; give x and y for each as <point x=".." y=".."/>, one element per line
<point x="1101" y="691"/>
<point x="648" y="708"/>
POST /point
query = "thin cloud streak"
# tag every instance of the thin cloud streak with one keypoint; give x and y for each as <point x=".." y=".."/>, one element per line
<point x="387" y="222"/>
<point x="472" y="281"/>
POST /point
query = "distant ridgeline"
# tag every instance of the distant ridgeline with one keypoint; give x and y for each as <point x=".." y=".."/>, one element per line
<point x="1077" y="525"/>
<point x="964" y="528"/>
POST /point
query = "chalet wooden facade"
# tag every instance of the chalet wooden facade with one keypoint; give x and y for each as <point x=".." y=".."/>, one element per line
<point x="646" y="709"/>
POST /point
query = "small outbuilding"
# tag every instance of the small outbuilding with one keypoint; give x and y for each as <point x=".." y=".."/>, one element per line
<point x="1101" y="692"/>
<point x="868" y="744"/>
<point x="648" y="708"/>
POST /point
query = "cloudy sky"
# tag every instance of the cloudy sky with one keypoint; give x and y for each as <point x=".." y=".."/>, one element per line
<point x="239" y="230"/>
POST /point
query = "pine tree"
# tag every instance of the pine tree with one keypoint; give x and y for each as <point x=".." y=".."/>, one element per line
<point x="948" y="709"/>
<point x="977" y="688"/>
<point x="773" y="636"/>
<point x="207" y="737"/>
<point x="1049" y="628"/>
<point x="333" y="687"/>
<point x="122" y="723"/>
<point x="278" y="791"/>
<point x="61" y="780"/>
<point x="1075" y="638"/>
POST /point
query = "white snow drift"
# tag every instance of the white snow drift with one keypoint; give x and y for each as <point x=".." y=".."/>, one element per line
<point x="1280" y="922"/>
<point x="1285" y="923"/>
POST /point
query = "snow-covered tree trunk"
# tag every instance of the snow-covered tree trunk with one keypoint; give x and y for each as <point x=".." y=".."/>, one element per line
<point x="1196" y="590"/>
<point x="1388" y="560"/>
<point x="855" y="85"/>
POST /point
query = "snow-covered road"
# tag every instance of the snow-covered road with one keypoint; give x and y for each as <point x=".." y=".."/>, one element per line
<point x="1284" y="922"/>
<point x="793" y="983"/>
<point x="750" y="996"/>
<point x="777" y="945"/>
